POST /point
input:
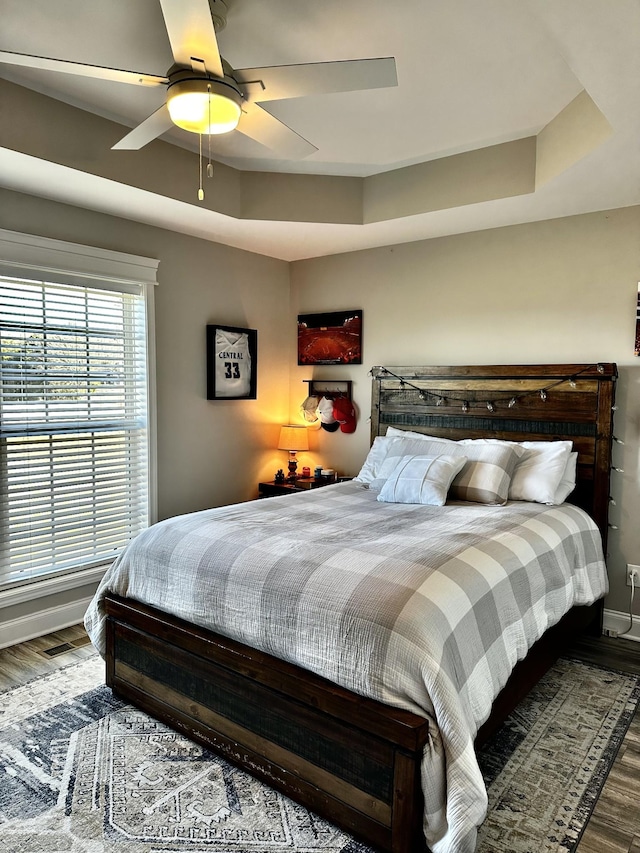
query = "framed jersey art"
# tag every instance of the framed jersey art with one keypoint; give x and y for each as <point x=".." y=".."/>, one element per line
<point x="232" y="355"/>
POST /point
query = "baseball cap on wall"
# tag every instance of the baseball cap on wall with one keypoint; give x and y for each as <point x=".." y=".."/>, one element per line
<point x="309" y="409"/>
<point x="345" y="414"/>
<point x="327" y="420"/>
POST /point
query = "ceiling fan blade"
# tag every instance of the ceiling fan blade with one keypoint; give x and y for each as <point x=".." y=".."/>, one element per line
<point x="316" y="78"/>
<point x="260" y="125"/>
<point x="192" y="34"/>
<point x="45" y="63"/>
<point x="152" y="127"/>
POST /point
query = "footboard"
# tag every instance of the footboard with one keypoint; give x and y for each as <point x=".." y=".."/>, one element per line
<point x="350" y="759"/>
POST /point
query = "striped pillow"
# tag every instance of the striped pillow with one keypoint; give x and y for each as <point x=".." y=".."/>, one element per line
<point x="485" y="477"/>
<point x="421" y="480"/>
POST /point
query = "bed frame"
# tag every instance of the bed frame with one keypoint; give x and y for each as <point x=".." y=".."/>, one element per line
<point x="353" y="760"/>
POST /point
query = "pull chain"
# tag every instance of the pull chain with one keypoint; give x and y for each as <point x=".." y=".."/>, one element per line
<point x="200" y="190"/>
<point x="209" y="164"/>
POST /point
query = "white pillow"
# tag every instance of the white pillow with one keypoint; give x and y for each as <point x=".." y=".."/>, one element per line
<point x="568" y="481"/>
<point x="394" y="432"/>
<point x="539" y="471"/>
<point x="545" y="473"/>
<point x="421" y="480"/>
<point x="484" y="478"/>
<point x="377" y="452"/>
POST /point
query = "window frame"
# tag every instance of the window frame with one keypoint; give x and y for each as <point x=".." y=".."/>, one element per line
<point x="56" y="261"/>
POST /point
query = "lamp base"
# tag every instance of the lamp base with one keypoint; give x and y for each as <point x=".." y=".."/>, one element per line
<point x="293" y="465"/>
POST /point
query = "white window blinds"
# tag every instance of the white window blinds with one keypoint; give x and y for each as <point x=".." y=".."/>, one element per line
<point x="74" y="431"/>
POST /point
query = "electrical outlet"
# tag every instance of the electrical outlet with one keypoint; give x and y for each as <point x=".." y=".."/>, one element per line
<point x="633" y="572"/>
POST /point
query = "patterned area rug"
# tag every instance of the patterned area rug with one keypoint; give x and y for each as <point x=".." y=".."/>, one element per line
<point x="82" y="772"/>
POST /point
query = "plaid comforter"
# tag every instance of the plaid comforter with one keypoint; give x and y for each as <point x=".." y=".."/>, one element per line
<point x="424" y="608"/>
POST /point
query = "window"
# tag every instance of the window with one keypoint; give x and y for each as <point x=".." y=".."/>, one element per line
<point x="76" y="437"/>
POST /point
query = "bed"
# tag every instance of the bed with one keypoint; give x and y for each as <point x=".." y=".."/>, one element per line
<point x="365" y="733"/>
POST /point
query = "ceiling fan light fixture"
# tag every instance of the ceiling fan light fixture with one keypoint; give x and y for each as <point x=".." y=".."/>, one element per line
<point x="202" y="105"/>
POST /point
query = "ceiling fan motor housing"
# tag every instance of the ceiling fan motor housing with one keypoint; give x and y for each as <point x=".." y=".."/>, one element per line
<point x="219" y="11"/>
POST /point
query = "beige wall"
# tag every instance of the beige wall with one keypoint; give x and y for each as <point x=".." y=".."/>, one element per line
<point x="556" y="291"/>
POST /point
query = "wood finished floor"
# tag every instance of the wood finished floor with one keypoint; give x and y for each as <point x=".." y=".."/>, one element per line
<point x="614" y="826"/>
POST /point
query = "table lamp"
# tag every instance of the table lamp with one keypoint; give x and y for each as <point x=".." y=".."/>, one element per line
<point x="293" y="438"/>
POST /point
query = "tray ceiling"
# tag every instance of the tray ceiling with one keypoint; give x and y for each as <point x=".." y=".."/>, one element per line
<point x="435" y="155"/>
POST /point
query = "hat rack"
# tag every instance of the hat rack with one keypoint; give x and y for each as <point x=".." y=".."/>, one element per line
<point x="330" y="388"/>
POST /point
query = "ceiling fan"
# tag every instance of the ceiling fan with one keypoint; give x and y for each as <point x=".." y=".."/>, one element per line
<point x="206" y="96"/>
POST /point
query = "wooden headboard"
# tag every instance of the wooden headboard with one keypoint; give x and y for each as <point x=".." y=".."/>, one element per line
<point x="514" y="402"/>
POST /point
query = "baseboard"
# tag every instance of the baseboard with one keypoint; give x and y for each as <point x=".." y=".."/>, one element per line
<point x="616" y="624"/>
<point x="42" y="622"/>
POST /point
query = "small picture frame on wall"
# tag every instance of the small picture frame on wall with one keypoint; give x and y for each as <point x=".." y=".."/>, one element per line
<point x="232" y="355"/>
<point x="333" y="337"/>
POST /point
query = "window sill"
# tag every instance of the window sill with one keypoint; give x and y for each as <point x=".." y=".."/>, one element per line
<point x="50" y="586"/>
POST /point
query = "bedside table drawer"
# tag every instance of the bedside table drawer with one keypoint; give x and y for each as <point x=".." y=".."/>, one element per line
<point x="302" y="484"/>
<point x="269" y="490"/>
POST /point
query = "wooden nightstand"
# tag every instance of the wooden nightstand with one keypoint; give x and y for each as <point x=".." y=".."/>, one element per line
<point x="302" y="484"/>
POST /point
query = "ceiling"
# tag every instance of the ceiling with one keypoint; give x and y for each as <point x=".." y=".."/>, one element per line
<point x="472" y="74"/>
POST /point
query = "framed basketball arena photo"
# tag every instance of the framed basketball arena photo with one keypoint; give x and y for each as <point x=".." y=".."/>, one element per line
<point x="232" y="354"/>
<point x="334" y="337"/>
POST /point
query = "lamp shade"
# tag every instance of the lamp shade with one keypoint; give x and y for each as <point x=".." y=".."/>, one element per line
<point x="293" y="438"/>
